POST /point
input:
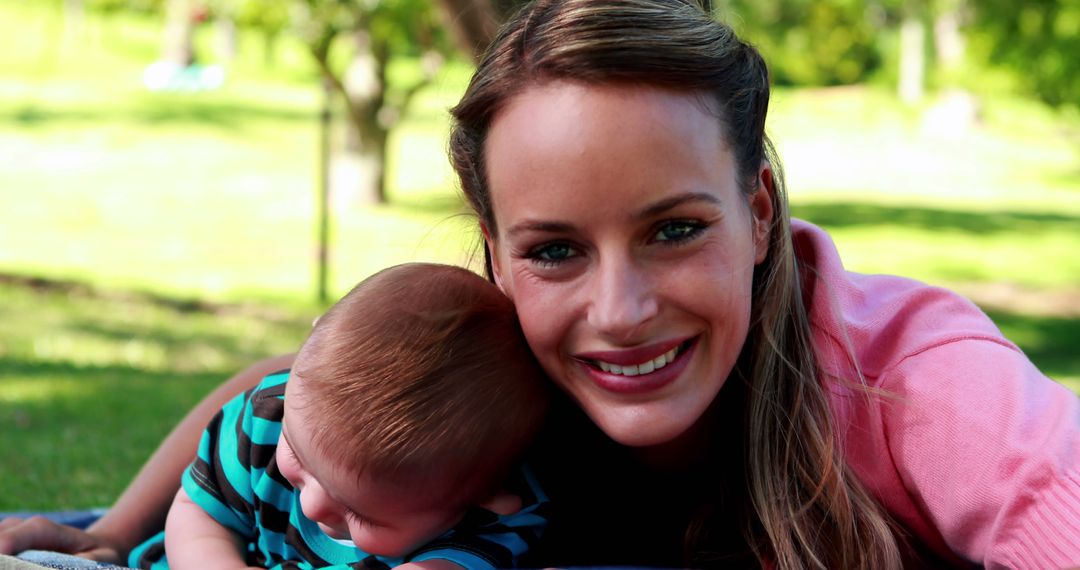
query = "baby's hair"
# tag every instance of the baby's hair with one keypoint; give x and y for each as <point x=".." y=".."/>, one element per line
<point x="421" y="373"/>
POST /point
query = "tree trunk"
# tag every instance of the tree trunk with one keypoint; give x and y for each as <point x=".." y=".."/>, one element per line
<point x="179" y="48"/>
<point x="74" y="14"/>
<point x="359" y="170"/>
<point x="322" y="261"/>
<point x="912" y="59"/>
<point x="948" y="40"/>
<point x="270" y="38"/>
<point x="225" y="28"/>
<point x="472" y="23"/>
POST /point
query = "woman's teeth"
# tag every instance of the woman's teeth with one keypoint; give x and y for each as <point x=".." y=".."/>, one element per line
<point x="643" y="368"/>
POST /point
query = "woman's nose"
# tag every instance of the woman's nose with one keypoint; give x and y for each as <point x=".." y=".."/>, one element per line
<point x="622" y="300"/>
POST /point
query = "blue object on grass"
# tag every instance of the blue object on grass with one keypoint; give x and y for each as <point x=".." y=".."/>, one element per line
<point x="77" y="519"/>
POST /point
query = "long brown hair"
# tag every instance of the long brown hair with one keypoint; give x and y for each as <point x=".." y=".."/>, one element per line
<point x="805" y="507"/>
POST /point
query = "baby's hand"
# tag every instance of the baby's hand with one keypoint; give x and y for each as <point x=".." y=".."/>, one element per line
<point x="502" y="503"/>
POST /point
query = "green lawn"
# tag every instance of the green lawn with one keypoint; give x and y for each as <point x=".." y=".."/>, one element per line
<point x="148" y="202"/>
<point x="90" y="382"/>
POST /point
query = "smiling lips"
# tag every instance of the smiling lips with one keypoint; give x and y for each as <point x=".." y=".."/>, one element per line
<point x="637" y="371"/>
<point x="643" y="368"/>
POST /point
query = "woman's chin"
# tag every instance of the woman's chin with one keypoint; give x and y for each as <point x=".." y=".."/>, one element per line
<point x="637" y="425"/>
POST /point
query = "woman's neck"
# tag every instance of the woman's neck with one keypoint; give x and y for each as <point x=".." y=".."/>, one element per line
<point x="718" y="432"/>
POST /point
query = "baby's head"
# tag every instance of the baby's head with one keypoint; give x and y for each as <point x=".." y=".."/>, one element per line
<point x="409" y="401"/>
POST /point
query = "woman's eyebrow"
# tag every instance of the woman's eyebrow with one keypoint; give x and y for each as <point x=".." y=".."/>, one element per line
<point x="677" y="200"/>
<point x="539" y="226"/>
<point x="649" y="211"/>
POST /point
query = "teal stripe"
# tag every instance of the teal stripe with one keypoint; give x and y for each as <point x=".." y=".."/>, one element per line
<point x="271" y="492"/>
<point x="219" y="511"/>
<point x="236" y="474"/>
<point x="274" y="380"/>
<point x="534" y="485"/>
<point x="524" y="518"/>
<point x="464" y="559"/>
<point x="205" y="452"/>
<point x="262" y="431"/>
<point x="137" y="553"/>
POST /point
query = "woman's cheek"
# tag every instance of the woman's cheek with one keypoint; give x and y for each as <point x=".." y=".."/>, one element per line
<point x="542" y="308"/>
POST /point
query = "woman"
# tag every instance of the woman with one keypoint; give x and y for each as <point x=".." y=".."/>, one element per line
<point x="734" y="396"/>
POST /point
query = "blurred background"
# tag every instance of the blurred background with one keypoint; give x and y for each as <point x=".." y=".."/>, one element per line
<point x="185" y="184"/>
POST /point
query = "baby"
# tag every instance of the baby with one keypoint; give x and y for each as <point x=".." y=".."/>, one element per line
<point x="407" y="406"/>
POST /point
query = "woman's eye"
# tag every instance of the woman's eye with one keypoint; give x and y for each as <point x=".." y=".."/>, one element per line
<point x="678" y="231"/>
<point x="552" y="253"/>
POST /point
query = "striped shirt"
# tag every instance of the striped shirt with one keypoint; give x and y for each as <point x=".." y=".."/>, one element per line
<point x="235" y="480"/>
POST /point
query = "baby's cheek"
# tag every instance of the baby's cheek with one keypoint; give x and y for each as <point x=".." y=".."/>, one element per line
<point x="378" y="542"/>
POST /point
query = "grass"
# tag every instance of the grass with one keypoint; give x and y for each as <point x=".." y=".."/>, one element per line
<point x="178" y="228"/>
<point x="92" y="381"/>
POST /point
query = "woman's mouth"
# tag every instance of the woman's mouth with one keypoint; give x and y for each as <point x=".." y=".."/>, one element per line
<point x="642" y="368"/>
<point x="634" y="374"/>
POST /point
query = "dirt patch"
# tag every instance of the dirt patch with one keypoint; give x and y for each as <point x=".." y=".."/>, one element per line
<point x="1060" y="303"/>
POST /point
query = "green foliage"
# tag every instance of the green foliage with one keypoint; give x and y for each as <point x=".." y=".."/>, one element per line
<point x="808" y="42"/>
<point x="1038" y="39"/>
<point x="141" y="6"/>
<point x="270" y="16"/>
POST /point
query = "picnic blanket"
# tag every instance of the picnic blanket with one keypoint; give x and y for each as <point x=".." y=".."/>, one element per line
<point x="38" y="559"/>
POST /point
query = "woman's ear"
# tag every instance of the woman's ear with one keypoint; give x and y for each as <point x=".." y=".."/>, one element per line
<point x="761" y="211"/>
<point x="493" y="258"/>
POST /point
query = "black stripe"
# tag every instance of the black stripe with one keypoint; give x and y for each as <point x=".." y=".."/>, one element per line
<point x="269" y="406"/>
<point x="211" y="477"/>
<point x="295" y="540"/>
<point x="151" y="554"/>
<point x="262" y="455"/>
<point x="274" y="473"/>
<point x="517" y="484"/>
<point x="272" y="518"/>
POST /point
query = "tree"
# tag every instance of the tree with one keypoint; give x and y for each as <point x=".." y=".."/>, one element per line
<point x="179" y="47"/>
<point x="1038" y="39"/>
<point x="808" y="42"/>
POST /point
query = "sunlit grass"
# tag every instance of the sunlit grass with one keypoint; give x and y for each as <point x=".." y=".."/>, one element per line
<point x="91" y="381"/>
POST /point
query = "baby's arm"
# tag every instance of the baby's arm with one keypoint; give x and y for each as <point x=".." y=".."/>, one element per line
<point x="195" y="541"/>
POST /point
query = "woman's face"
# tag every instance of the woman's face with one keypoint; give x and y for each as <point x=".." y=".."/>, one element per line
<point x="628" y="248"/>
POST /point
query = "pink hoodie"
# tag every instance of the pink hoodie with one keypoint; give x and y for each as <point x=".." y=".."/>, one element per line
<point x="972" y="449"/>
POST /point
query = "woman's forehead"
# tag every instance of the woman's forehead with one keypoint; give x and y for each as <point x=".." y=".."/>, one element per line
<point x="583" y="143"/>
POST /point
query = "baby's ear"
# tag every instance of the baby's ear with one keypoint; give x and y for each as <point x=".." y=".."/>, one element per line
<point x="502" y="503"/>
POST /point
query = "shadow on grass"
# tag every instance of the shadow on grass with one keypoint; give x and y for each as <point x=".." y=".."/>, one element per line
<point x="852" y="214"/>
<point x="167" y="110"/>
<point x="74" y="435"/>
<point x="193" y="350"/>
<point x="1050" y="342"/>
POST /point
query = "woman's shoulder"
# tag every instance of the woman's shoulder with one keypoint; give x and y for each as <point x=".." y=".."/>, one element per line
<point x="865" y="325"/>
